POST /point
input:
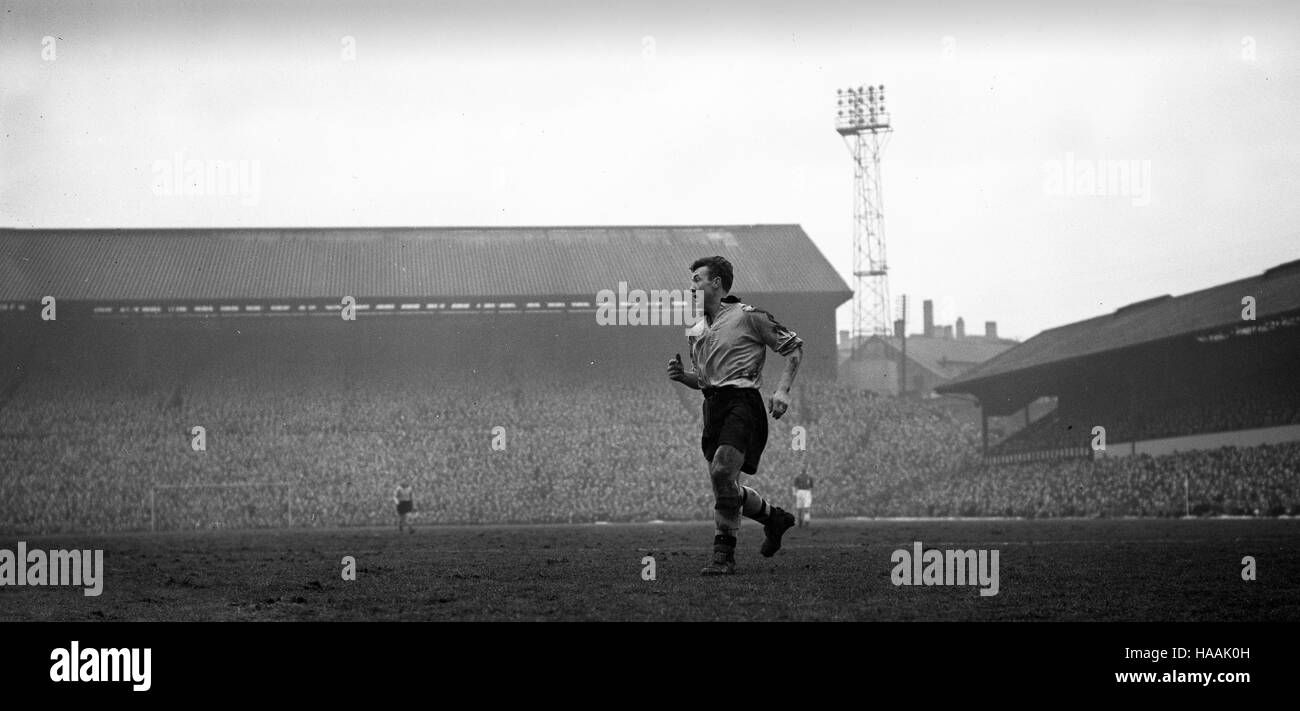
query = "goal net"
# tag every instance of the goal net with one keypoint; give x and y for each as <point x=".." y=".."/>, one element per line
<point x="215" y="506"/>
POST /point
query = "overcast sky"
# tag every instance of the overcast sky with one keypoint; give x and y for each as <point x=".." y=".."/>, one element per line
<point x="600" y="113"/>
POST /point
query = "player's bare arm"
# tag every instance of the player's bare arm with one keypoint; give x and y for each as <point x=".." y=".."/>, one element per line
<point x="781" y="398"/>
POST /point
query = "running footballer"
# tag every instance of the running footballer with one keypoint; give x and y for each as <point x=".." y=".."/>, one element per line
<point x="728" y="348"/>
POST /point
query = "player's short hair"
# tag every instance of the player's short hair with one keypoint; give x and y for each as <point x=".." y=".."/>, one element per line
<point x="718" y="267"/>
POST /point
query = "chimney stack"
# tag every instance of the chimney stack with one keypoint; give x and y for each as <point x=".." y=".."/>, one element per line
<point x="928" y="307"/>
<point x="961" y="327"/>
<point x="844" y="338"/>
<point x="990" y="329"/>
<point x="898" y="328"/>
<point x="947" y="331"/>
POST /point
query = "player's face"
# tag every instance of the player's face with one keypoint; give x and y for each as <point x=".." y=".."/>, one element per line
<point x="703" y="285"/>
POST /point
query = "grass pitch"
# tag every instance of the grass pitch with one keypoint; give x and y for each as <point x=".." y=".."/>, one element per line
<point x="1068" y="570"/>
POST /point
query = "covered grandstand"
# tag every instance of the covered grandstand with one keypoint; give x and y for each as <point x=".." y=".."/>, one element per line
<point x="1167" y="374"/>
<point x="517" y="285"/>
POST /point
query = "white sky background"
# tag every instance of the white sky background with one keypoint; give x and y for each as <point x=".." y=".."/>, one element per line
<point x="487" y="114"/>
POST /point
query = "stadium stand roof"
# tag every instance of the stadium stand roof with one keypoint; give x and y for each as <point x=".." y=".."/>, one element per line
<point x="162" y="264"/>
<point x="1276" y="293"/>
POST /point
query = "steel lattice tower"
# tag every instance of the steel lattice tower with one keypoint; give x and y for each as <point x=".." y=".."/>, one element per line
<point x="863" y="123"/>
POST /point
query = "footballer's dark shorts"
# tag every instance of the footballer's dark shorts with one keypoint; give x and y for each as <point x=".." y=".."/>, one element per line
<point x="404" y="507"/>
<point x="736" y="417"/>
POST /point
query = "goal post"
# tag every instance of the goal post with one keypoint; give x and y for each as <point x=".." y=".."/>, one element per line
<point x="216" y="506"/>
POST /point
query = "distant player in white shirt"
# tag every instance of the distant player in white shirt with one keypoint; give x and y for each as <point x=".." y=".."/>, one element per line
<point x="402" y="497"/>
<point x="803" y="486"/>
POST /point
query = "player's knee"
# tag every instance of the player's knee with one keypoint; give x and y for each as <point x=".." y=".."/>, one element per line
<point x="726" y="462"/>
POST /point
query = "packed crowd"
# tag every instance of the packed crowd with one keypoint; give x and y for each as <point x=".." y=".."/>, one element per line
<point x="1146" y="420"/>
<point x="1250" y="481"/>
<point x="88" y="450"/>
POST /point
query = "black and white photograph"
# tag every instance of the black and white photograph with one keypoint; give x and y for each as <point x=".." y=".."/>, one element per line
<point x="985" y="315"/>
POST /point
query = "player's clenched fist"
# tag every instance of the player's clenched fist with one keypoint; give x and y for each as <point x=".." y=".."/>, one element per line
<point x="779" y="404"/>
<point x="675" y="370"/>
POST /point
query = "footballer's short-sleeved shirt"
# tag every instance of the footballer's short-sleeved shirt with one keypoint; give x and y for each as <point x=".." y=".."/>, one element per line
<point x="803" y="481"/>
<point x="731" y="350"/>
<point x="402" y="494"/>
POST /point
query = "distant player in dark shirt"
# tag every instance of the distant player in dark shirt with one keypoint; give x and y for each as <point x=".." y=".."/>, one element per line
<point x="803" y="486"/>
<point x="728" y="347"/>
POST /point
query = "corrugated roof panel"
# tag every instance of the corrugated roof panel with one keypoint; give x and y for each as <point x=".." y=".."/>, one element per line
<point x="399" y="262"/>
<point x="1216" y="307"/>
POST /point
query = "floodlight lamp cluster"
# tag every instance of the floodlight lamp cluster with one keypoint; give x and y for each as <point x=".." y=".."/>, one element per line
<point x="860" y="109"/>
